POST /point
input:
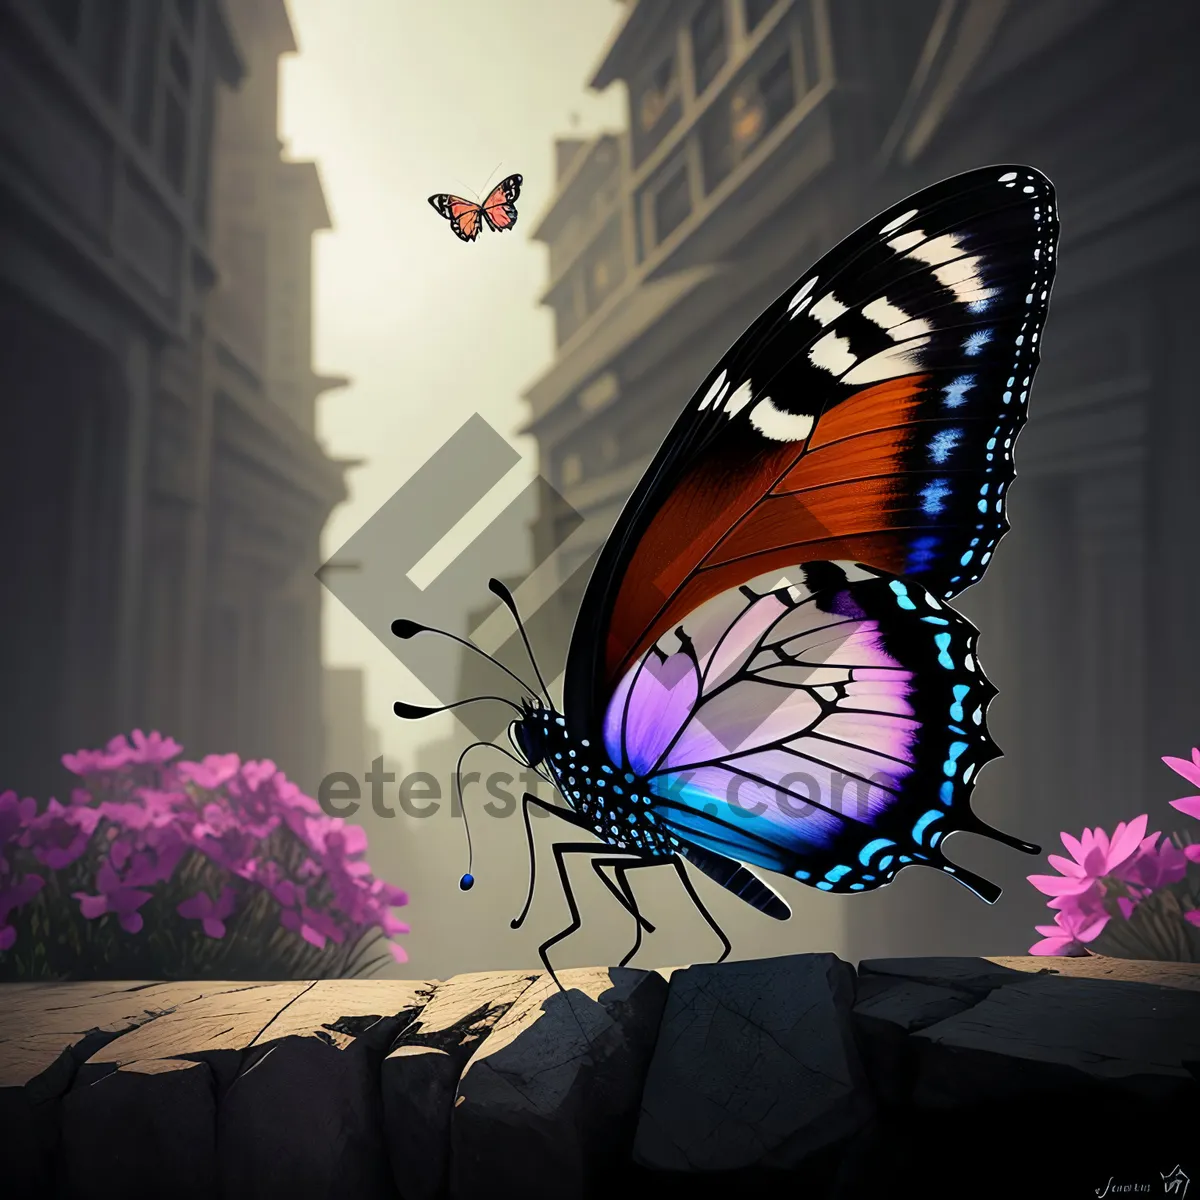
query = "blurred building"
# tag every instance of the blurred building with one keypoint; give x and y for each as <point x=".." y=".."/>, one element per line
<point x="163" y="491"/>
<point x="763" y="131"/>
<point x="351" y="744"/>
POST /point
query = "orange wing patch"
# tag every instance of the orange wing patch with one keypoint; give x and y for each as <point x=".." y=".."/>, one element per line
<point x="836" y="496"/>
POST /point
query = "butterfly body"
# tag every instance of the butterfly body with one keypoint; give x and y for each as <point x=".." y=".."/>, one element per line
<point x="614" y="804"/>
<point x="765" y="661"/>
<point x="498" y="212"/>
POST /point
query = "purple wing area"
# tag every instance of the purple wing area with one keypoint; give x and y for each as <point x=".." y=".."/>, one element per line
<point x="826" y="724"/>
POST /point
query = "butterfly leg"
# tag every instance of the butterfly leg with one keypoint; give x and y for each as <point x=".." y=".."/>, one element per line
<point x="620" y="866"/>
<point x="708" y="917"/>
<point x="565" y="814"/>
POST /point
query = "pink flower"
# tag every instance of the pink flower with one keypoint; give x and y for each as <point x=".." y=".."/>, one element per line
<point x="1191" y="772"/>
<point x="16" y="896"/>
<point x="1066" y="937"/>
<point x="60" y="835"/>
<point x="96" y="762"/>
<point x="1092" y="857"/>
<point x="152" y="749"/>
<point x="1153" y="867"/>
<point x="1193" y="917"/>
<point x="115" y="897"/>
<point x="15" y="813"/>
<point x="212" y="772"/>
<point x="211" y="913"/>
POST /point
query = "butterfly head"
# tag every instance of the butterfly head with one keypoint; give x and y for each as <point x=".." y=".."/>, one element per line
<point x="530" y="733"/>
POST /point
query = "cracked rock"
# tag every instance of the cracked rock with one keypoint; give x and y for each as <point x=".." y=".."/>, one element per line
<point x="141" y="1132"/>
<point x="46" y="1032"/>
<point x="887" y="1011"/>
<point x="756" y="1066"/>
<point x="419" y="1078"/>
<point x="1051" y="1031"/>
<point x="547" y="1105"/>
<point x="303" y="1117"/>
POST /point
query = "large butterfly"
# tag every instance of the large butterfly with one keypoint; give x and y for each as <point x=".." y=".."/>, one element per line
<point x="765" y="671"/>
<point x="499" y="210"/>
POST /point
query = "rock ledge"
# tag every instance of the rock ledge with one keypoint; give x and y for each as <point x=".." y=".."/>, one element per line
<point x="957" y="1074"/>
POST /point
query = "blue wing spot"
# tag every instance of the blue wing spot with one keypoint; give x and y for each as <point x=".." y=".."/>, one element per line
<point x="902" y="595"/>
<point x="803" y="874"/>
<point x="921" y="555"/>
<point x="905" y="859"/>
<point x="977" y="716"/>
<point x="956" y="392"/>
<point x="825" y="887"/>
<point x="932" y="496"/>
<point x="933" y="841"/>
<point x="976" y="342"/>
<point x="560" y="721"/>
<point x="607" y="769"/>
<point x="922" y="824"/>
<point x="886" y="862"/>
<point x="857" y="887"/>
<point x="947" y="793"/>
<point x="943" y="642"/>
<point x="868" y="879"/>
<point x="864" y="855"/>
<point x="942" y="443"/>
<point x="835" y="873"/>
<point x="966" y="558"/>
<point x="951" y="764"/>
<point x="628" y="777"/>
<point x="935" y="620"/>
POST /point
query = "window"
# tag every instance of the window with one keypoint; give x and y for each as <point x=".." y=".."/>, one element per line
<point x="605" y="265"/>
<point x="755" y="107"/>
<point x="66" y="16"/>
<point x="180" y="67"/>
<point x="175" y="142"/>
<point x="808" y="45"/>
<point x="672" y="205"/>
<point x="204" y="160"/>
<point x="656" y="108"/>
<point x="657" y="95"/>
<point x="102" y="45"/>
<point x="756" y="12"/>
<point x="145" y="72"/>
<point x="185" y="10"/>
<point x="572" y="470"/>
<point x="708" y="43"/>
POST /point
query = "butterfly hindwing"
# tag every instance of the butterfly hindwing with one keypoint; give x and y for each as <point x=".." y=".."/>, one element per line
<point x="826" y="723"/>
<point x="868" y="415"/>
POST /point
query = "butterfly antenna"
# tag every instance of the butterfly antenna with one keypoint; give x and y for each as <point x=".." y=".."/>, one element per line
<point x="468" y="880"/>
<point x="407" y="629"/>
<point x="495" y="586"/>
<point x="489" y="178"/>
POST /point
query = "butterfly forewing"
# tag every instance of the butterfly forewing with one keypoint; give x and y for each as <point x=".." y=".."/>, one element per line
<point x="500" y="208"/>
<point x="463" y="215"/>
<point x="868" y="415"/>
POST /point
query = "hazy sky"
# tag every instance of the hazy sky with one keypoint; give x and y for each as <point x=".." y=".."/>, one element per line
<point x="397" y="100"/>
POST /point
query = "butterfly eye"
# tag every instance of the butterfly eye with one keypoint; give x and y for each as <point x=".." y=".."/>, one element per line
<point x="525" y="745"/>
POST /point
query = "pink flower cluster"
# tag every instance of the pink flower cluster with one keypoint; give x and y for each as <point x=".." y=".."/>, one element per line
<point x="1126" y="868"/>
<point x="149" y="813"/>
